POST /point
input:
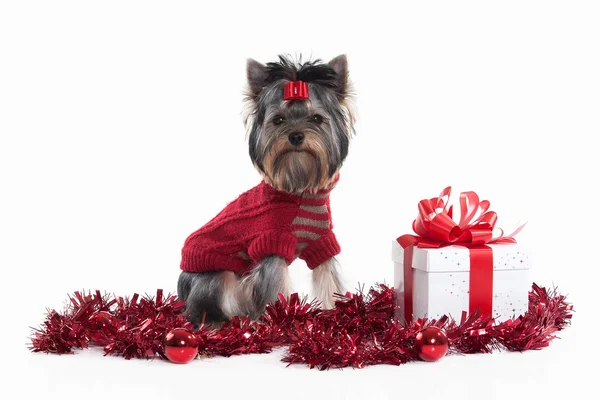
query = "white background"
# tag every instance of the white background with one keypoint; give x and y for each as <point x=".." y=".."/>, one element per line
<point x="121" y="133"/>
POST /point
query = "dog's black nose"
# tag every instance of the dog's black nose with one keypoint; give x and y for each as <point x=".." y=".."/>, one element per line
<point x="296" y="138"/>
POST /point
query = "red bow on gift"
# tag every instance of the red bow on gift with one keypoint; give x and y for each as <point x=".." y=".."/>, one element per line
<point x="436" y="228"/>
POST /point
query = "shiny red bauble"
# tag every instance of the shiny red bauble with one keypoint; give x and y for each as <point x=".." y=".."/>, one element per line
<point x="181" y="346"/>
<point x="102" y="326"/>
<point x="431" y="343"/>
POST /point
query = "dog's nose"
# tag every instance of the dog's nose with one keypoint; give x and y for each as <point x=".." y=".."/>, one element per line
<point x="296" y="138"/>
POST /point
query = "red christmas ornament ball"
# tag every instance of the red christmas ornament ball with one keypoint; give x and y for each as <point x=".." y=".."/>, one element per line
<point x="102" y="326"/>
<point x="181" y="346"/>
<point x="431" y="343"/>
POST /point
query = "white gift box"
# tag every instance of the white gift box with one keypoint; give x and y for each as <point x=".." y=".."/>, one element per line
<point x="441" y="281"/>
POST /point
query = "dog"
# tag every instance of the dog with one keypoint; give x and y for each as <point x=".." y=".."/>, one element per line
<point x="300" y="119"/>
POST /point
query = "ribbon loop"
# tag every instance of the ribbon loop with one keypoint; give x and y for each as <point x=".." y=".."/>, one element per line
<point x="435" y="226"/>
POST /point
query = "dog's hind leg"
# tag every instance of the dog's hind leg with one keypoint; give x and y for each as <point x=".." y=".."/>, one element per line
<point x="250" y="295"/>
<point x="203" y="294"/>
<point x="222" y="295"/>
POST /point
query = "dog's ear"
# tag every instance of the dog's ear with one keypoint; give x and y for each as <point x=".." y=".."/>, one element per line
<point x="340" y="66"/>
<point x="257" y="75"/>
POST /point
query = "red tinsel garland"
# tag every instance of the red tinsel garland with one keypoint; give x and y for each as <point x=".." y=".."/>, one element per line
<point x="361" y="330"/>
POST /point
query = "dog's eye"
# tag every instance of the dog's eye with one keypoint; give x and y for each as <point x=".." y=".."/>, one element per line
<point x="278" y="120"/>
<point x="317" y="119"/>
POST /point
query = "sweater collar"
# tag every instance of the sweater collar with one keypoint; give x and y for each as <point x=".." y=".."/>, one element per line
<point x="318" y="198"/>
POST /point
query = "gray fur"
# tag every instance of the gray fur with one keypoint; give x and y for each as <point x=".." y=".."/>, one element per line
<point x="202" y="293"/>
<point x="268" y="280"/>
<point x="340" y="66"/>
<point x="256" y="75"/>
<point x="205" y="292"/>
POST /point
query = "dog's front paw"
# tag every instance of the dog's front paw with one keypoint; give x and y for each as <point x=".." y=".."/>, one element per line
<point x="327" y="283"/>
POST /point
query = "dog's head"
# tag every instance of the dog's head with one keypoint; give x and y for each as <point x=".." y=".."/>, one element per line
<point x="298" y="143"/>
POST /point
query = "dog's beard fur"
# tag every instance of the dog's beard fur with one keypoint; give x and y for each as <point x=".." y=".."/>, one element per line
<point x="297" y="169"/>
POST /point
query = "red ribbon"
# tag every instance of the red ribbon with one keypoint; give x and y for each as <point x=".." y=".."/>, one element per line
<point x="481" y="279"/>
<point x="297" y="90"/>
<point x="435" y="228"/>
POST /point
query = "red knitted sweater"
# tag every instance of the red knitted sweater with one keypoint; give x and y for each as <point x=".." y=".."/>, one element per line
<point x="262" y="222"/>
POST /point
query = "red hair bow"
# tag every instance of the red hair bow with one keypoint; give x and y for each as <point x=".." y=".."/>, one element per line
<point x="297" y="90"/>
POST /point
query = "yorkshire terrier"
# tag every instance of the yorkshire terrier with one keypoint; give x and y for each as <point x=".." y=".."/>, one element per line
<point x="299" y="120"/>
